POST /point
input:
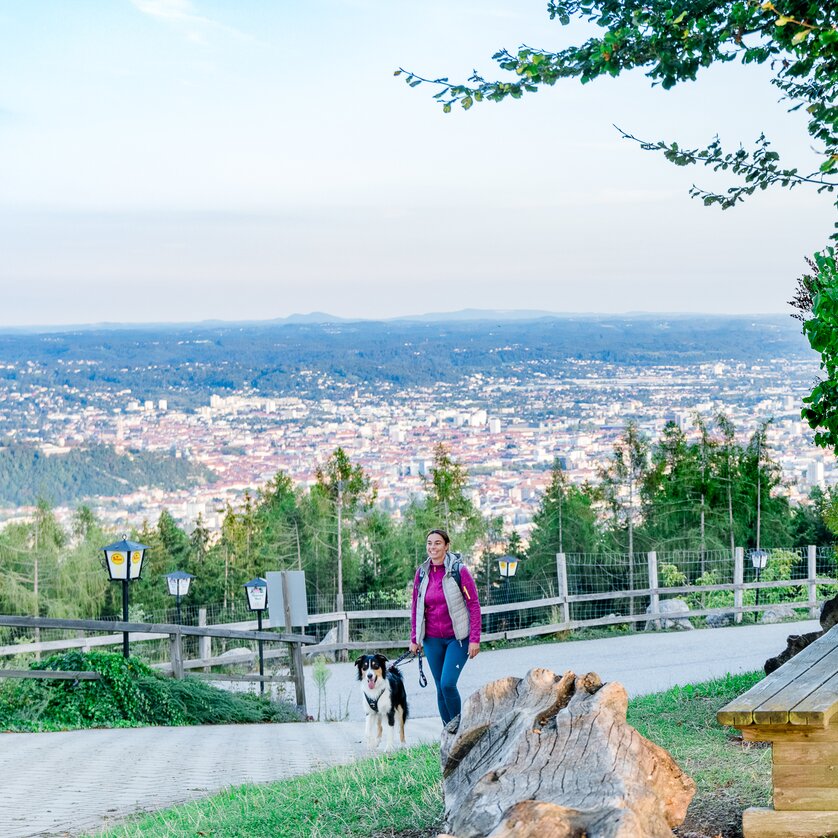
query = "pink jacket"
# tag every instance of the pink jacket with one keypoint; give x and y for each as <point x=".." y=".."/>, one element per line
<point x="437" y="619"/>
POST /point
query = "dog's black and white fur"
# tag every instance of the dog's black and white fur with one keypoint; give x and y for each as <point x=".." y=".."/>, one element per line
<point x="384" y="697"/>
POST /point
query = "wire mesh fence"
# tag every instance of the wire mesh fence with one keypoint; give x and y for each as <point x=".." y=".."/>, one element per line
<point x="602" y="588"/>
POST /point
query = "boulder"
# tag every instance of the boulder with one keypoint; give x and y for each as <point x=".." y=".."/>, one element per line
<point x="670" y="606"/>
<point x="777" y="614"/>
<point x="330" y="638"/>
<point x="551" y="756"/>
<point x="720" y="620"/>
<point x="797" y="642"/>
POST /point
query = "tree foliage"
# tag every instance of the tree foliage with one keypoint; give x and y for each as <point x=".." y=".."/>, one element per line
<point x="672" y="41"/>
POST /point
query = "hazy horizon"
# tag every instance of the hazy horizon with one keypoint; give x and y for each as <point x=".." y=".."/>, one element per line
<point x="190" y="160"/>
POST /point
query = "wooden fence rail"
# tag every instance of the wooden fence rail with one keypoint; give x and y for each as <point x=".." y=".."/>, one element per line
<point x="177" y="665"/>
<point x="563" y="604"/>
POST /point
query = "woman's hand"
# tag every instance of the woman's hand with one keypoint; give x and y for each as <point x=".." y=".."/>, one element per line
<point x="414" y="648"/>
<point x="473" y="650"/>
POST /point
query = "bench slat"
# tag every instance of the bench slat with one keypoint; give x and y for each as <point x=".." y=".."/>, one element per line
<point x="808" y="687"/>
<point x="819" y="707"/>
<point x="740" y="711"/>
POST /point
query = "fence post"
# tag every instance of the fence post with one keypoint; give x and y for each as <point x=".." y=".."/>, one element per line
<point x="654" y="596"/>
<point x="812" y="574"/>
<point x="295" y="652"/>
<point x="176" y="654"/>
<point x="204" y="642"/>
<point x="561" y="573"/>
<point x="738" y="580"/>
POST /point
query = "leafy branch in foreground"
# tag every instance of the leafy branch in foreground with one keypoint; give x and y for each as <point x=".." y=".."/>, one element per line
<point x="672" y="40"/>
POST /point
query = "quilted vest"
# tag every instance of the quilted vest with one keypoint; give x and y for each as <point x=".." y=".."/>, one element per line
<point x="454" y="599"/>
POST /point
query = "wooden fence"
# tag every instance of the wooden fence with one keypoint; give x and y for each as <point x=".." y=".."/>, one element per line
<point x="176" y="666"/>
<point x="531" y="618"/>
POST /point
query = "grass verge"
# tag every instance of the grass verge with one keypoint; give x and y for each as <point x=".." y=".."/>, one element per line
<point x="401" y="795"/>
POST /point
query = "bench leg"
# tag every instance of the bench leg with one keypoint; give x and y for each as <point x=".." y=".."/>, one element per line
<point x="768" y="823"/>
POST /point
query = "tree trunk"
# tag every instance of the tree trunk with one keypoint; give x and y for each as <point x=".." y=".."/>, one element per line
<point x="552" y="756"/>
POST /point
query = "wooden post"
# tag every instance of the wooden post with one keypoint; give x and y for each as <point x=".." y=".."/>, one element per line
<point x="295" y="653"/>
<point x="812" y="574"/>
<point x="654" y="596"/>
<point x="561" y="573"/>
<point x="738" y="580"/>
<point x="176" y="654"/>
<point x="204" y="643"/>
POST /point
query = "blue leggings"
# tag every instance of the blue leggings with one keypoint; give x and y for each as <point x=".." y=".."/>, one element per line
<point x="446" y="656"/>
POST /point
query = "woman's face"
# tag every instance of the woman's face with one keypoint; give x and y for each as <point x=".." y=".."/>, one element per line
<point x="436" y="547"/>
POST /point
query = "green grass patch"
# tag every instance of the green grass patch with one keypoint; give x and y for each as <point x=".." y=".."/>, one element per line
<point x="728" y="772"/>
<point x="128" y="694"/>
<point x="389" y="795"/>
<point x="394" y="793"/>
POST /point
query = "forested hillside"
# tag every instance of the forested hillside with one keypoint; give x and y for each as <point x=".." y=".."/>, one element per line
<point x="26" y="474"/>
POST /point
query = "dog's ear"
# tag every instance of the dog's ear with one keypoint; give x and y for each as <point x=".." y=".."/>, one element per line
<point x="382" y="661"/>
<point x="358" y="664"/>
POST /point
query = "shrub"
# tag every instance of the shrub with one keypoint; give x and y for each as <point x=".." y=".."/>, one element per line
<point x="128" y="694"/>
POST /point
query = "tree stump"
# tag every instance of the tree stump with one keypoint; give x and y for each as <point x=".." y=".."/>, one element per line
<point x="552" y="756"/>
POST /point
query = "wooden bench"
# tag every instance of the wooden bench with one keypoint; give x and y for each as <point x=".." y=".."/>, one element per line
<point x="795" y="708"/>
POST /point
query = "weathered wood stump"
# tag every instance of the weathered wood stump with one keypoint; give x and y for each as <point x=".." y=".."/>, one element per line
<point x="551" y="756"/>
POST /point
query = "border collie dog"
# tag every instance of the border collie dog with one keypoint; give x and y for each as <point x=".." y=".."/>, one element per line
<point x="384" y="696"/>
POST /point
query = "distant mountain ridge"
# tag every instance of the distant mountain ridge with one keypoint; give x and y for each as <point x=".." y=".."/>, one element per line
<point x="466" y="315"/>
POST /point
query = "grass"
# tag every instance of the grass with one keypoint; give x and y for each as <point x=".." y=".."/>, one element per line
<point x="402" y="794"/>
<point x="730" y="774"/>
<point x="392" y="794"/>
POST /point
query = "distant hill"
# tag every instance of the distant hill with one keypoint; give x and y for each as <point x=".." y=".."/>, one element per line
<point x="185" y="364"/>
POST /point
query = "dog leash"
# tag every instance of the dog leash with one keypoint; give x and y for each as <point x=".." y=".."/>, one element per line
<point x="423" y="681"/>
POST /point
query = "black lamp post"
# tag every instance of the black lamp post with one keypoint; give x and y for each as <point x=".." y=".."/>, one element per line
<point x="257" y="600"/>
<point x="124" y="561"/>
<point x="759" y="559"/>
<point x="178" y="582"/>
<point x="507" y="565"/>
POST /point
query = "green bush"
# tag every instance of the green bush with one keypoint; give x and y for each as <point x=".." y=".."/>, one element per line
<point x="128" y="694"/>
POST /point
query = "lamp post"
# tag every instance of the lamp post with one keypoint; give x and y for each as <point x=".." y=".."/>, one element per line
<point x="257" y="600"/>
<point x="124" y="561"/>
<point x="178" y="582"/>
<point x="507" y="565"/>
<point x="759" y="559"/>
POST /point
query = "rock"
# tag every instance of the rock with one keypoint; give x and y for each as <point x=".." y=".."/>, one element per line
<point x="777" y="614"/>
<point x="720" y="620"/>
<point x="794" y="643"/>
<point x="330" y="638"/>
<point x="829" y="613"/>
<point x="551" y="756"/>
<point x="670" y="606"/>
<point x="797" y="642"/>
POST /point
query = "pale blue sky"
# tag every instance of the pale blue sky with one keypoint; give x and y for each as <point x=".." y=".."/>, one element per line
<point x="192" y="159"/>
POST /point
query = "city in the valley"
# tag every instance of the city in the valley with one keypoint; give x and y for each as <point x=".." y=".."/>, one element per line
<point x="525" y="397"/>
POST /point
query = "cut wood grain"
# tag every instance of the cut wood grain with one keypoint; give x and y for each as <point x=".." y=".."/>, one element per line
<point x="768" y="823"/>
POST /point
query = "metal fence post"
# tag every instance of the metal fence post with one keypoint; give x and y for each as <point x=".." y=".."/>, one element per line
<point x="738" y="580"/>
<point x="812" y="575"/>
<point x="561" y="573"/>
<point x="654" y="596"/>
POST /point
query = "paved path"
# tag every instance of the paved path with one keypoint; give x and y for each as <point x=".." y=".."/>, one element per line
<point x="66" y="784"/>
<point x="641" y="662"/>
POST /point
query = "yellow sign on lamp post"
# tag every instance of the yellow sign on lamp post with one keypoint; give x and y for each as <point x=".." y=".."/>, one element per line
<point x="124" y="561"/>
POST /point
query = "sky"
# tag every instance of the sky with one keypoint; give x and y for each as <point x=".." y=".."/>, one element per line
<point x="182" y="160"/>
